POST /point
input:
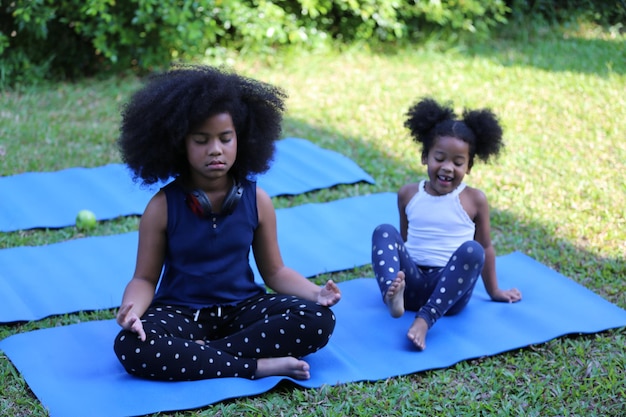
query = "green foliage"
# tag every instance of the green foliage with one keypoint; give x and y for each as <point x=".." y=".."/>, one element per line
<point x="606" y="13"/>
<point x="50" y="39"/>
<point x="452" y="19"/>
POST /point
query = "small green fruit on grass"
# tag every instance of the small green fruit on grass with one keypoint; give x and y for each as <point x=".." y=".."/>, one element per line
<point x="85" y="220"/>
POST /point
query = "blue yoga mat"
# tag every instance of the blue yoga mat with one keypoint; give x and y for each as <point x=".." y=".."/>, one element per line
<point x="91" y="273"/>
<point x="52" y="199"/>
<point x="73" y="372"/>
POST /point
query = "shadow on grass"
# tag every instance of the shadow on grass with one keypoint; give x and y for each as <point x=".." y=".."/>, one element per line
<point x="600" y="274"/>
<point x="559" y="54"/>
<point x="549" y="50"/>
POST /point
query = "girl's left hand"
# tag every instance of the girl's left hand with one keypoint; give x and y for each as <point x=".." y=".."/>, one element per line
<point x="329" y="294"/>
<point x="509" y="296"/>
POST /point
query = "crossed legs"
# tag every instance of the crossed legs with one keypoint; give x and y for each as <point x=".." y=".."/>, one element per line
<point x="432" y="292"/>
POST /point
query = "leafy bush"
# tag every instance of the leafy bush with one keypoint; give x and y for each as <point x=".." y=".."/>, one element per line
<point x="53" y="39"/>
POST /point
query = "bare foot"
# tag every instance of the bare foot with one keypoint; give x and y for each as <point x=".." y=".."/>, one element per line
<point x="394" y="297"/>
<point x="417" y="333"/>
<point x="285" y="366"/>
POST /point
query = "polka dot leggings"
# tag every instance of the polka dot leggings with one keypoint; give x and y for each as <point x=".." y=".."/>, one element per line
<point x="231" y="338"/>
<point x="431" y="291"/>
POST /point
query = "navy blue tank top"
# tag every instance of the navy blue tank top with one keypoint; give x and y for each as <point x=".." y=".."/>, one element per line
<point x="206" y="261"/>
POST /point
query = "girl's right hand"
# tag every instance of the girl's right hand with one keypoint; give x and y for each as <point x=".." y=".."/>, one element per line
<point x="130" y="321"/>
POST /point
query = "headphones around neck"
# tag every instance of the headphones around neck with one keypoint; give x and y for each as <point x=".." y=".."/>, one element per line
<point x="200" y="204"/>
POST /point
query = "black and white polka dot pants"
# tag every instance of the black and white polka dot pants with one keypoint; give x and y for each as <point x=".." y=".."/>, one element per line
<point x="431" y="291"/>
<point x="232" y="338"/>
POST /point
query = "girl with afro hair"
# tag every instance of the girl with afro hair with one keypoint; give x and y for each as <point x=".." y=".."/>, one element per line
<point x="211" y="130"/>
<point x="433" y="262"/>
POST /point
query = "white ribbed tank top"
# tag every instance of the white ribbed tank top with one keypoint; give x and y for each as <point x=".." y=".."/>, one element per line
<point x="438" y="225"/>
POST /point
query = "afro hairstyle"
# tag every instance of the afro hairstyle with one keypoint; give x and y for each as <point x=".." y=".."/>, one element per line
<point x="159" y="116"/>
<point x="428" y="120"/>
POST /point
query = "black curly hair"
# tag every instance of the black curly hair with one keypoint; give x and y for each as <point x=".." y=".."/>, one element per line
<point x="428" y="120"/>
<point x="158" y="117"/>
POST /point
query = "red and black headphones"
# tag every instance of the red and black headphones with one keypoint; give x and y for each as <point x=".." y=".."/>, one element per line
<point x="199" y="203"/>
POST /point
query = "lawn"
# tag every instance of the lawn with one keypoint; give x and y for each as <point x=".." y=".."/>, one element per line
<point x="557" y="194"/>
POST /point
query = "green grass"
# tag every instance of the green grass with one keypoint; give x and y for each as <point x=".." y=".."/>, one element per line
<point x="558" y="194"/>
